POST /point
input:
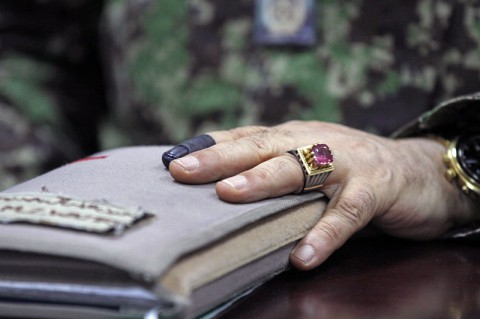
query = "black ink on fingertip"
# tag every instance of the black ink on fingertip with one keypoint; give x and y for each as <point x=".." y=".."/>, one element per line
<point x="189" y="146"/>
<point x="173" y="153"/>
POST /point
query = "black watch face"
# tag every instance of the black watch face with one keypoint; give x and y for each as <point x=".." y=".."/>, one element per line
<point x="468" y="156"/>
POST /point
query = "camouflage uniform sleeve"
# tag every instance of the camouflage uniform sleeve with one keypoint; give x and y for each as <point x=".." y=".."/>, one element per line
<point x="457" y="116"/>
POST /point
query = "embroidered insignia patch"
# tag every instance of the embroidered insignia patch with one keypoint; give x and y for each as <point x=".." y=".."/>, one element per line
<point x="284" y="22"/>
<point x="66" y="212"/>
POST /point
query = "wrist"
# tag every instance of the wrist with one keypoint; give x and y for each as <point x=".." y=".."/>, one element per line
<point x="462" y="190"/>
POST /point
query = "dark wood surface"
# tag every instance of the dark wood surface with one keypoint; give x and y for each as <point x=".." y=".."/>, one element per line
<point x="375" y="278"/>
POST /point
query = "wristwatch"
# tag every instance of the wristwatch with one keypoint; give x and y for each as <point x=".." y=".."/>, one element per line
<point x="463" y="162"/>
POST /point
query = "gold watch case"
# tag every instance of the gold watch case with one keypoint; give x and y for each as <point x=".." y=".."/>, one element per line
<point x="463" y="161"/>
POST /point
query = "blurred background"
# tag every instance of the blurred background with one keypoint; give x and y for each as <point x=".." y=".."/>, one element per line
<point x="79" y="76"/>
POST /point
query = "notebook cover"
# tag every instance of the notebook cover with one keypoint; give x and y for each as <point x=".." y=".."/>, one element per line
<point x="121" y="209"/>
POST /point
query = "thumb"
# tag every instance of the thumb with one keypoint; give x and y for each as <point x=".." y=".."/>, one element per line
<point x="346" y="214"/>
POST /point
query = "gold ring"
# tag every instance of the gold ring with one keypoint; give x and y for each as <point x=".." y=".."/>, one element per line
<point x="317" y="163"/>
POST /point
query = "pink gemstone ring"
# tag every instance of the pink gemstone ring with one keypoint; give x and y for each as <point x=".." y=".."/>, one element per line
<point x="317" y="163"/>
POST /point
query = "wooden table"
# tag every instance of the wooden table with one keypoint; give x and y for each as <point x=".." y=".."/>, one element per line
<point x="375" y="278"/>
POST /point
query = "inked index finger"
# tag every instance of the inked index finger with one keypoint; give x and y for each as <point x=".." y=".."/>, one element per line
<point x="238" y="150"/>
<point x="236" y="133"/>
<point x="201" y="142"/>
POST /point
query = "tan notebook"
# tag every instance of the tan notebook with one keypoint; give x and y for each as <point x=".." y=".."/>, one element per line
<point x="113" y="235"/>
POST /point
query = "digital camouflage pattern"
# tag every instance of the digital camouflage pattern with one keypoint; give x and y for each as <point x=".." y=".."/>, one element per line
<point x="192" y="66"/>
<point x="162" y="71"/>
<point x="51" y="94"/>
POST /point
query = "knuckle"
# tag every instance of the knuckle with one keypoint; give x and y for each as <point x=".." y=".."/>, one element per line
<point x="349" y="215"/>
<point x="350" y="212"/>
<point x="385" y="176"/>
<point x="218" y="153"/>
<point x="328" y="231"/>
<point x="243" y="131"/>
<point x="263" y="143"/>
<point x="265" y="173"/>
<point x="356" y="210"/>
<point x="265" y="177"/>
<point x="274" y="176"/>
<point x="269" y="173"/>
<point x="236" y="132"/>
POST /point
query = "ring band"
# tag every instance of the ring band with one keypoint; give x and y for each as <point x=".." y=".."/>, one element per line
<point x="317" y="163"/>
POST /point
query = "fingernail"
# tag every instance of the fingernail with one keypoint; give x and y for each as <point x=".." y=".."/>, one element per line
<point x="238" y="182"/>
<point x="186" y="147"/>
<point x="172" y="154"/>
<point x="304" y="253"/>
<point x="189" y="163"/>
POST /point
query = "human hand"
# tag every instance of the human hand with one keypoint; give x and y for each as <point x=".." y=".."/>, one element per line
<point x="399" y="185"/>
